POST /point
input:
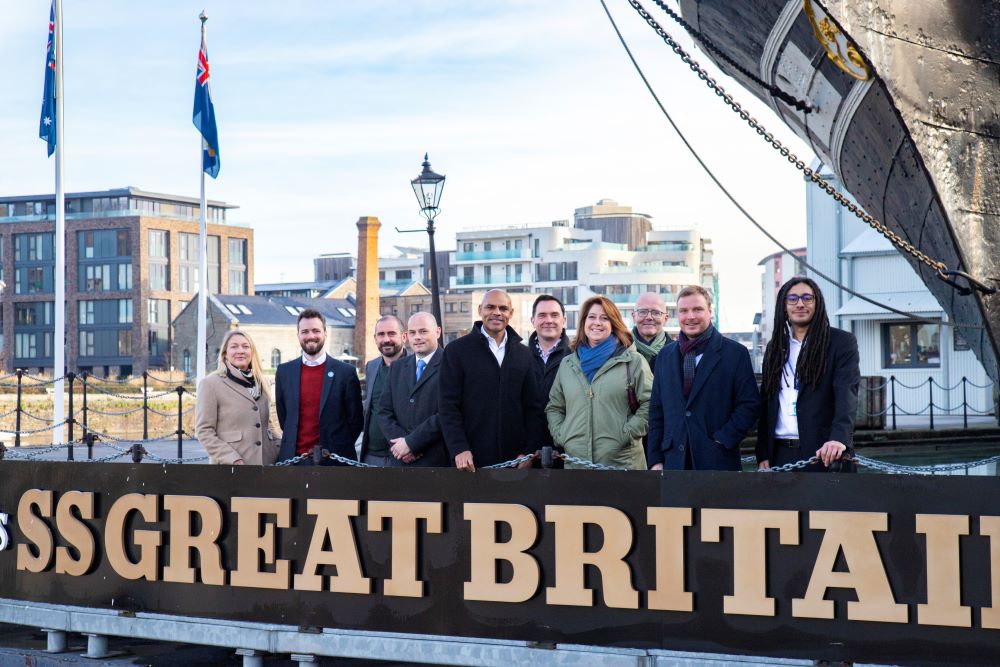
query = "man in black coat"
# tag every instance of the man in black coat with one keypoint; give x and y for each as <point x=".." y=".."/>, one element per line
<point x="809" y="389"/>
<point x="489" y="397"/>
<point x="548" y="344"/>
<point x="317" y="398"/>
<point x="408" y="412"/>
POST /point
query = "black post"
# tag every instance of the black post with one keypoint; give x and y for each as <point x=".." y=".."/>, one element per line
<point x="137" y="452"/>
<point x="145" y="407"/>
<point x="72" y="418"/>
<point x="435" y="289"/>
<point x="17" y="410"/>
<point x="547" y="456"/>
<point x="892" y="392"/>
<point x="930" y="388"/>
<point x="965" y="406"/>
<point x="89" y="439"/>
<point x="83" y="379"/>
<point x="180" y="422"/>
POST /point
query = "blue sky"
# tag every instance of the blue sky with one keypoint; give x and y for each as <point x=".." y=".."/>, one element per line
<point x="325" y="110"/>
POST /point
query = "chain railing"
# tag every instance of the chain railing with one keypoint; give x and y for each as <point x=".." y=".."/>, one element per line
<point x="894" y="409"/>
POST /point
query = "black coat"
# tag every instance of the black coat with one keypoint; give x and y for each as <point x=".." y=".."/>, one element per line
<point x="490" y="410"/>
<point x="409" y="409"/>
<point x="825" y="412"/>
<point x="340" y="416"/>
<point x="545" y="373"/>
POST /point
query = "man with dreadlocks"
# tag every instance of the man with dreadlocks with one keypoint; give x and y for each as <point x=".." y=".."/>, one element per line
<point x="809" y="390"/>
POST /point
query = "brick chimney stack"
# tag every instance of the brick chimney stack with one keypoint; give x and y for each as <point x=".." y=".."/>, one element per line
<point x="368" y="292"/>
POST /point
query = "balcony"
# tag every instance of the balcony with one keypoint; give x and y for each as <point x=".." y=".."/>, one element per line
<point x="649" y="268"/>
<point x="463" y="281"/>
<point x="488" y="255"/>
<point x="396" y="284"/>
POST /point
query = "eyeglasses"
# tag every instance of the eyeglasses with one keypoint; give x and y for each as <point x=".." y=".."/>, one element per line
<point x="646" y="312"/>
<point x="792" y="299"/>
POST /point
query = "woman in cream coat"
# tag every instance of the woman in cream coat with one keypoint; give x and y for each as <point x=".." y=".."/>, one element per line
<point x="232" y="414"/>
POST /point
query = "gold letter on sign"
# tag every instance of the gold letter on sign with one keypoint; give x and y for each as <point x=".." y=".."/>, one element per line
<point x="181" y="509"/>
<point x="333" y="519"/>
<point x="944" y="571"/>
<point x="250" y="543"/>
<point x="854" y="533"/>
<point x="988" y="526"/>
<point x="148" y="540"/>
<point x="36" y="530"/>
<point x="571" y="558"/>
<point x="669" y="523"/>
<point x="404" y="516"/>
<point x="486" y="552"/>
<point x="75" y="532"/>
<point x="750" y="553"/>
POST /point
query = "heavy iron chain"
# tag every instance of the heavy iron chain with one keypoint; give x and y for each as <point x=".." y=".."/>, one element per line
<point x="797" y="465"/>
<point x="897" y="469"/>
<point x="939" y="267"/>
<point x="569" y="458"/>
<point x="513" y="463"/>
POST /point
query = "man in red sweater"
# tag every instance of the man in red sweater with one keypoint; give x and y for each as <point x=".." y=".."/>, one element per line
<point x="317" y="398"/>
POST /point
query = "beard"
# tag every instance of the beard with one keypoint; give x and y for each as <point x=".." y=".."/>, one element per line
<point x="390" y="349"/>
<point x="312" y="346"/>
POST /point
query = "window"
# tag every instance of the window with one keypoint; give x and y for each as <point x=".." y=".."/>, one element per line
<point x="125" y="311"/>
<point x="24" y="346"/>
<point x="236" y="272"/>
<point x="86" y="343"/>
<point x="124" y="276"/>
<point x="275" y="358"/>
<point x="86" y="312"/>
<point x="449" y="307"/>
<point x="158" y="240"/>
<point x="158" y="311"/>
<point x="124" y="342"/>
<point x="911" y="345"/>
<point x="158" y="277"/>
<point x="468" y="247"/>
<point x="186" y="362"/>
<point x="404" y="275"/>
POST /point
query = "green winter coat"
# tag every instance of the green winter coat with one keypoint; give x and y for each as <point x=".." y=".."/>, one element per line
<point x="591" y="420"/>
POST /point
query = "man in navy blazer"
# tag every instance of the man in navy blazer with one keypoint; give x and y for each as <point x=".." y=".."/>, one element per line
<point x="408" y="412"/>
<point x="317" y="398"/>
<point x="705" y="395"/>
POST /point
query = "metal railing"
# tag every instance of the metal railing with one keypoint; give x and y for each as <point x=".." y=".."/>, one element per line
<point x="80" y="418"/>
<point x="894" y="409"/>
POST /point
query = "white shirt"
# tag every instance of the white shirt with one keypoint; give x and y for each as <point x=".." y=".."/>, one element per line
<point x="499" y="350"/>
<point x="787" y="427"/>
<point x="318" y="361"/>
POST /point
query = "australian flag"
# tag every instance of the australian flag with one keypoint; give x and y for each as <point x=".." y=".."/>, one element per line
<point x="204" y="115"/>
<point x="47" y="124"/>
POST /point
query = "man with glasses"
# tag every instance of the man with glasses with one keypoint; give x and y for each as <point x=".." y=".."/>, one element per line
<point x="809" y="387"/>
<point x="489" y="406"/>
<point x="650" y="315"/>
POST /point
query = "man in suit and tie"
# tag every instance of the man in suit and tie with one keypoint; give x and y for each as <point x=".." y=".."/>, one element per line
<point x="704" y="394"/>
<point x="317" y="398"/>
<point x="408" y="412"/>
<point x="389" y="337"/>
<point x="809" y="392"/>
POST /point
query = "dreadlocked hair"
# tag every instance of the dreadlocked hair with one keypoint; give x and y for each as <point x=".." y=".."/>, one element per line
<point x="812" y="357"/>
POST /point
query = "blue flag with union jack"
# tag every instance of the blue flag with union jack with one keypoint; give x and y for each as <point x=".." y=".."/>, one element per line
<point x="47" y="123"/>
<point x="204" y="115"/>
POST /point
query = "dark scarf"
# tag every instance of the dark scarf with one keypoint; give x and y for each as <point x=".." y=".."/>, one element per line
<point x="650" y="350"/>
<point x="244" y="379"/>
<point x="690" y="349"/>
<point x="592" y="358"/>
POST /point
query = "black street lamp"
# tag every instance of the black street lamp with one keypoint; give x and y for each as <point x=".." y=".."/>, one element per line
<point x="427" y="187"/>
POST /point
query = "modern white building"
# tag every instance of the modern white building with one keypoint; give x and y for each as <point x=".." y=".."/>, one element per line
<point x="891" y="345"/>
<point x="608" y="250"/>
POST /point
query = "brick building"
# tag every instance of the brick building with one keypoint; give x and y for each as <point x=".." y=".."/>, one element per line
<point x="131" y="266"/>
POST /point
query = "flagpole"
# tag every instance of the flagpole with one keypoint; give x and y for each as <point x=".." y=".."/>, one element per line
<point x="202" y="250"/>
<point x="59" y="333"/>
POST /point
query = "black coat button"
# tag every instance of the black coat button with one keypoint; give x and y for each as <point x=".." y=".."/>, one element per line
<point x="256" y="425"/>
<point x="255" y="408"/>
<point x="257" y="443"/>
<point x="687" y="414"/>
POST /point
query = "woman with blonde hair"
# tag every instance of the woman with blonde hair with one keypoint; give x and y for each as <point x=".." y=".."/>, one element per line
<point x="232" y="414"/>
<point x="599" y="404"/>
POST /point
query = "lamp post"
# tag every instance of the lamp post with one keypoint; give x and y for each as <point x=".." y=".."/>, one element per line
<point x="427" y="187"/>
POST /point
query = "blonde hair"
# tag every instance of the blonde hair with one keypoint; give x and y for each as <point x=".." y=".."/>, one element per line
<point x="254" y="361"/>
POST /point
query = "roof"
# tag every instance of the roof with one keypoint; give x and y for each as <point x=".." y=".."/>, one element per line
<point x="869" y="242"/>
<point x="322" y="286"/>
<point x="127" y="191"/>
<point x="800" y="253"/>
<point x="917" y="303"/>
<point x="282" y="310"/>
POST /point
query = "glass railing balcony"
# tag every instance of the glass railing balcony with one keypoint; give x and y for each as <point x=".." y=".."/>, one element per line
<point x="463" y="281"/>
<point x="118" y="213"/>
<point x="503" y="253"/>
<point x="649" y="268"/>
<point x="392" y="284"/>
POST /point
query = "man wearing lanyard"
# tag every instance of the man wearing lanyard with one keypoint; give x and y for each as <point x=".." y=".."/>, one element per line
<point x="809" y="388"/>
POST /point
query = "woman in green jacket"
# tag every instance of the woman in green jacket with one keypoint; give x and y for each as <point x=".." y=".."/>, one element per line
<point x="588" y="412"/>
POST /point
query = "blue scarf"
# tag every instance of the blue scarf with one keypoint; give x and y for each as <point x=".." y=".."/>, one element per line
<point x="592" y="358"/>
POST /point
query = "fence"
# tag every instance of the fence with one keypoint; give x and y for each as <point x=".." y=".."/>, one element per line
<point x="894" y="408"/>
<point x="80" y="418"/>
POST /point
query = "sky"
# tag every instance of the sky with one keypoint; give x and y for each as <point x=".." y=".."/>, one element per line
<point x="325" y="110"/>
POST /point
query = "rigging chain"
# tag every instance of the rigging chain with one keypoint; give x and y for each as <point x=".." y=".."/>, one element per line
<point x="939" y="267"/>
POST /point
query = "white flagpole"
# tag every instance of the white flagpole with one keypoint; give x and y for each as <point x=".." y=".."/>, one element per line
<point x="202" y="252"/>
<point x="59" y="333"/>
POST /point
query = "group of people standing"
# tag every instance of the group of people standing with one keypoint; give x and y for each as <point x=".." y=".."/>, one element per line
<point x="623" y="397"/>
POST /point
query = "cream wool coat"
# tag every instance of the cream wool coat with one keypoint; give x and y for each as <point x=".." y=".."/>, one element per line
<point x="230" y="425"/>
